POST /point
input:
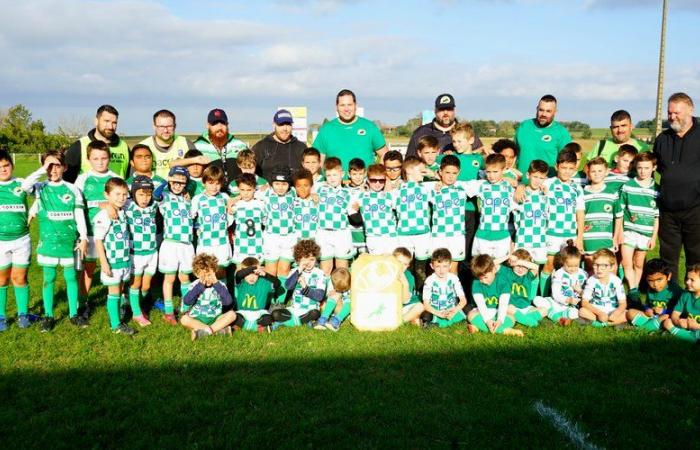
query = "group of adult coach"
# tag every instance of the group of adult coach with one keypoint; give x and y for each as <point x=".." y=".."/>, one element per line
<point x="350" y="136"/>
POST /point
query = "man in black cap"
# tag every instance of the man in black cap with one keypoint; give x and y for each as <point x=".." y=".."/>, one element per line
<point x="445" y="119"/>
<point x="279" y="148"/>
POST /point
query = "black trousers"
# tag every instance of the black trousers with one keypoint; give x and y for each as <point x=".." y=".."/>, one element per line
<point x="680" y="229"/>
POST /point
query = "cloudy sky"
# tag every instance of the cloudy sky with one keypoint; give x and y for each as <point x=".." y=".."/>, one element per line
<point x="63" y="58"/>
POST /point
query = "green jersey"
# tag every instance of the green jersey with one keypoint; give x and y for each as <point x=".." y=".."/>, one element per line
<point x="230" y="150"/>
<point x="14" y="209"/>
<point x="92" y="185"/>
<point x="495" y="202"/>
<point x="305" y="218"/>
<point x="253" y="297"/>
<point x="442" y="294"/>
<point x="616" y="179"/>
<point x="249" y="215"/>
<point x="448" y="212"/>
<point x="602" y="208"/>
<point x="563" y="201"/>
<point x="142" y="228"/>
<point x="279" y="212"/>
<point x="492" y="292"/>
<point x="639" y="208"/>
<point x="333" y="207"/>
<point x="114" y="235"/>
<point x="377" y="210"/>
<point x="177" y="219"/>
<point x="520" y="292"/>
<point x="434" y="167"/>
<point x="688" y="305"/>
<point x="359" y="139"/>
<point x="537" y="142"/>
<point x="607" y="149"/>
<point x="413" y="208"/>
<point x="530" y="218"/>
<point x="665" y="299"/>
<point x="57" y="208"/>
<point x="606" y="295"/>
<point x="195" y="186"/>
<point x="212" y="219"/>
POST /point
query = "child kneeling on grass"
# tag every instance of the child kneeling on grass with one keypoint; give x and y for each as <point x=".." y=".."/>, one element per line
<point x="337" y="307"/>
<point x="491" y="293"/>
<point x="206" y="299"/>
<point x="662" y="296"/>
<point x="254" y="288"/>
<point x="443" y="296"/>
<point x="683" y="322"/>
<point x="604" y="301"/>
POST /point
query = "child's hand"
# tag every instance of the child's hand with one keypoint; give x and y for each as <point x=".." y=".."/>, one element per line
<point x="519" y="194"/>
<point x="652" y="243"/>
<point x="355" y="206"/>
<point x="683" y="323"/>
<point x="649" y="312"/>
<point x="428" y="173"/>
<point x="315" y="198"/>
<point x="302" y="282"/>
<point x="201" y="160"/>
<point x="493" y="325"/>
<point x="260" y="271"/>
<point x="264" y="187"/>
<point x="692" y="323"/>
<point x="602" y="317"/>
<point x="658" y="310"/>
<point x="50" y="161"/>
<point x="105" y="268"/>
<point x="82" y="245"/>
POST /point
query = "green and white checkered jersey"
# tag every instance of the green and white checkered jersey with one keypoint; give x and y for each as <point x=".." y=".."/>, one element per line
<point x="157" y="181"/>
<point x="142" y="228"/>
<point x="563" y="200"/>
<point x="114" y="234"/>
<point x="249" y="215"/>
<point x="177" y="219"/>
<point x="13" y="210"/>
<point x="604" y="294"/>
<point x="495" y="205"/>
<point x="58" y="230"/>
<point x="92" y="185"/>
<point x="639" y="207"/>
<point x="434" y="167"/>
<point x="305" y="218"/>
<point x="212" y="219"/>
<point x="413" y="207"/>
<point x="441" y="294"/>
<point x="315" y="279"/>
<point x="377" y="210"/>
<point x="616" y="180"/>
<point x="563" y="283"/>
<point x="208" y="303"/>
<point x="530" y="218"/>
<point x="235" y="192"/>
<point x="602" y="208"/>
<point x="279" y="212"/>
<point x="333" y="207"/>
<point x="448" y="211"/>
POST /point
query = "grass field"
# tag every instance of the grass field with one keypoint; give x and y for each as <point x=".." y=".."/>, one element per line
<point x="304" y="388"/>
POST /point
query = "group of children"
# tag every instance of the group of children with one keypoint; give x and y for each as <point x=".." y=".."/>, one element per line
<point x="278" y="252"/>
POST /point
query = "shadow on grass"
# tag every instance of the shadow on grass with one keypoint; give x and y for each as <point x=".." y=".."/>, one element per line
<point x="472" y="397"/>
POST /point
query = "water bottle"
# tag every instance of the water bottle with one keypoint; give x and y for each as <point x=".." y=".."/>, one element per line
<point x="78" y="260"/>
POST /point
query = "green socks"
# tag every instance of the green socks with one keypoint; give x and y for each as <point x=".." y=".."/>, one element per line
<point x="3" y="300"/>
<point x="250" y="325"/>
<point x="71" y="277"/>
<point x="113" y="310"/>
<point x="47" y="290"/>
<point x="169" y="309"/>
<point x="184" y="287"/>
<point x="544" y="284"/>
<point x="328" y="308"/>
<point x="478" y="322"/>
<point x="529" y="319"/>
<point x="345" y="312"/>
<point x="598" y="324"/>
<point x="135" y="302"/>
<point x="686" y="335"/>
<point x="22" y="299"/>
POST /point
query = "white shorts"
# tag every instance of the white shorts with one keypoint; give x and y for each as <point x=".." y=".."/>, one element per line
<point x="16" y="253"/>
<point x="381" y="245"/>
<point x="405" y="309"/>
<point x="636" y="240"/>
<point x="118" y="276"/>
<point x="276" y="247"/>
<point x="555" y="307"/>
<point x="50" y="261"/>
<point x="144" y="264"/>
<point x="222" y="252"/>
<point x="607" y="309"/>
<point x="419" y="245"/>
<point x="455" y="244"/>
<point x="335" y="244"/>
<point x="496" y="249"/>
<point x="91" y="250"/>
<point x="252" y="316"/>
<point x="538" y="255"/>
<point x="175" y="257"/>
<point x="556" y="243"/>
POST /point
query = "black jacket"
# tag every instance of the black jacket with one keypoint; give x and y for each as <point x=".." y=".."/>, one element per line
<point x="270" y="154"/>
<point x="678" y="161"/>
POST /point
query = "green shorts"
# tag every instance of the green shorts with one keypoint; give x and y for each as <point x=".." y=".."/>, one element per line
<point x="205" y="319"/>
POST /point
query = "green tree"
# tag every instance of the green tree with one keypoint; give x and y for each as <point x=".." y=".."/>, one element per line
<point x="19" y="133"/>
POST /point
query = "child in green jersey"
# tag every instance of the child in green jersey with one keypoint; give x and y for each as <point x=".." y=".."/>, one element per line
<point x="522" y="277"/>
<point x="308" y="285"/>
<point x="662" y="295"/>
<point x="620" y="174"/>
<point x="357" y="183"/>
<point x="59" y="208"/>
<point x="603" y="300"/>
<point x="413" y="307"/>
<point x="113" y="249"/>
<point x="305" y="206"/>
<point x="375" y="209"/>
<point x="491" y="293"/>
<point x="176" y="251"/>
<point x="249" y="216"/>
<point x="206" y="301"/>
<point x="246" y="163"/>
<point x="530" y="215"/>
<point x="92" y="186"/>
<point x="427" y="149"/>
<point x="311" y="161"/>
<point x="254" y="287"/>
<point x="393" y="162"/>
<point x="684" y="322"/>
<point x="141" y="162"/>
<point x="509" y="150"/>
<point x="337" y="306"/>
<point x="602" y="201"/>
<point x="443" y="296"/>
<point x="15" y="244"/>
<point x="639" y="221"/>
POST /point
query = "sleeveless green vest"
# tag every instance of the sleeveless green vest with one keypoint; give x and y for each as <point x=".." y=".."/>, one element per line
<point x="118" y="157"/>
<point x="161" y="161"/>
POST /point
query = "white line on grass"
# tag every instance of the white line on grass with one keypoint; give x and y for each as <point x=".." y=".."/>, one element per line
<point x="564" y="426"/>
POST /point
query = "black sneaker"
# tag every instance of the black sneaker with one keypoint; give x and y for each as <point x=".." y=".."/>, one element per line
<point x="86" y="311"/>
<point x="427" y="325"/>
<point x="79" y="321"/>
<point x="124" y="329"/>
<point x="47" y="324"/>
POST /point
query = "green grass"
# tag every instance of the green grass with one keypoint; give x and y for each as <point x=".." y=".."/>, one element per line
<point x="305" y="388"/>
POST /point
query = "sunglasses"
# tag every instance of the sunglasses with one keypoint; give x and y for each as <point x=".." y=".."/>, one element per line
<point x="377" y="180"/>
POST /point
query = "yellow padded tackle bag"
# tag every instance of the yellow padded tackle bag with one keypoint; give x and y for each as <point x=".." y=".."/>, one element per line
<point x="376" y="293"/>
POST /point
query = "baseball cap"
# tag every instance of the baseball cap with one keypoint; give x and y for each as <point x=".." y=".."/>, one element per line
<point x="283" y="117"/>
<point x="281" y="174"/>
<point x="179" y="170"/>
<point x="444" y="101"/>
<point x="141" y="182"/>
<point x="217" y="116"/>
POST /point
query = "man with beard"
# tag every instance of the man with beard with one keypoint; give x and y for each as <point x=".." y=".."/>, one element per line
<point x="165" y="144"/>
<point x="677" y="151"/>
<point x="106" y="131"/>
<point x="350" y="136"/>
<point x="280" y="148"/>
<point x="218" y="146"/>
<point x="440" y="127"/>
<point x="541" y="137"/>
<point x="621" y="130"/>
